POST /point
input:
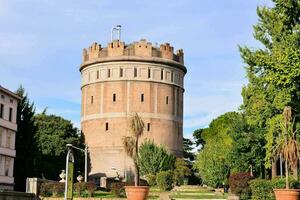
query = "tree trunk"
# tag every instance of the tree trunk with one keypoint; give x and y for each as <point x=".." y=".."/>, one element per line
<point x="295" y="172"/>
<point x="286" y="175"/>
<point x="137" y="171"/>
<point x="274" y="169"/>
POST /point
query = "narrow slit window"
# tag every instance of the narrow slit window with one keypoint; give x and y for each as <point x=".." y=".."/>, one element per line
<point x="149" y="73"/>
<point x="167" y="99"/>
<point x="162" y="74"/>
<point x="121" y="72"/>
<point x="148" y="127"/>
<point x="114" y="97"/>
<point x="142" y="97"/>
<point x="10" y="114"/>
<point x="135" y="72"/>
<point x="98" y="74"/>
<point x="92" y="99"/>
<point x="106" y="126"/>
<point x="172" y="77"/>
<point x="108" y="73"/>
<point x="1" y="110"/>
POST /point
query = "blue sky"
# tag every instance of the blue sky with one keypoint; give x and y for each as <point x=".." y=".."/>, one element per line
<point x="41" y="44"/>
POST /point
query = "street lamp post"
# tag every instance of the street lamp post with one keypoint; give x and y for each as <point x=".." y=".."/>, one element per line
<point x="85" y="150"/>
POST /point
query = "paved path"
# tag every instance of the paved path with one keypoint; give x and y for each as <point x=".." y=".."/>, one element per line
<point x="164" y="196"/>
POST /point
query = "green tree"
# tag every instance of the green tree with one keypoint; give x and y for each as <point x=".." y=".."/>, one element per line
<point x="153" y="158"/>
<point x="198" y="136"/>
<point x="52" y="135"/>
<point x="273" y="70"/>
<point x="25" y="141"/>
<point x="188" y="147"/>
<point x="213" y="161"/>
<point x="181" y="171"/>
<point x="247" y="153"/>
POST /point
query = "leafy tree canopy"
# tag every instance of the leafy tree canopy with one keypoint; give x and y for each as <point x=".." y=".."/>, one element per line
<point x="53" y="133"/>
<point x="273" y="70"/>
<point x="153" y="158"/>
<point x="212" y="161"/>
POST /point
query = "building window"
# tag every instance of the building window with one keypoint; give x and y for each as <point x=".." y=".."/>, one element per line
<point x="167" y="99"/>
<point x="1" y="136"/>
<point x="8" y="139"/>
<point x="142" y="97"/>
<point x="1" y="110"/>
<point x="2" y="96"/>
<point x="6" y="166"/>
<point x="1" y="165"/>
<point x="92" y="99"/>
<point x="121" y="72"/>
<point x="10" y="114"/>
<point x="162" y="74"/>
<point x="149" y="73"/>
<point x="11" y="101"/>
<point x="98" y="74"/>
<point x="135" y="72"/>
<point x="114" y="97"/>
<point x="108" y="73"/>
<point x="172" y="77"/>
<point x="148" y="127"/>
<point x="106" y="126"/>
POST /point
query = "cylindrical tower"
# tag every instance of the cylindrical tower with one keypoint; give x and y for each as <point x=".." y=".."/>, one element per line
<point x="119" y="80"/>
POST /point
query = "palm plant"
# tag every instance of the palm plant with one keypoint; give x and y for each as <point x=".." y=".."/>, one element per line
<point x="131" y="143"/>
<point x="287" y="144"/>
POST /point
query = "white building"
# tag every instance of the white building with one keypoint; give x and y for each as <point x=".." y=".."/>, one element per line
<point x="8" y="128"/>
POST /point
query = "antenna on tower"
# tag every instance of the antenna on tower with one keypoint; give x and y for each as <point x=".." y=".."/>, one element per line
<point x="118" y="29"/>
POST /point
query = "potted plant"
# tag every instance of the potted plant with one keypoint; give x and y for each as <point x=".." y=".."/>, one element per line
<point x="131" y="146"/>
<point x="287" y="145"/>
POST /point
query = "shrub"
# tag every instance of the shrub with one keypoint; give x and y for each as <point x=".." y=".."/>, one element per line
<point x="58" y="189"/>
<point x="279" y="183"/>
<point x="151" y="179"/>
<point x="261" y="189"/>
<point x="153" y="158"/>
<point x="90" y="187"/>
<point x="79" y="187"/>
<point x="181" y="171"/>
<point x="117" y="188"/>
<point x="164" y="180"/>
<point x="46" y="189"/>
<point x="54" y="189"/>
<point x="239" y="184"/>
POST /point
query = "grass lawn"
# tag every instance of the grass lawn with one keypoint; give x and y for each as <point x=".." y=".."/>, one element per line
<point x="196" y="193"/>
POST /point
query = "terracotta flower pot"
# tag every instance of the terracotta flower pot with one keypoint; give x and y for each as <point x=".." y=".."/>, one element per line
<point x="287" y="194"/>
<point x="137" y="192"/>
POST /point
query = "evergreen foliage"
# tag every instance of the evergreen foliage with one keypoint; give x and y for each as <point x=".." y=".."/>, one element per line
<point x="153" y="158"/>
<point x="273" y="70"/>
<point x="164" y="180"/>
<point x="52" y="135"/>
<point x="24" y="164"/>
<point x="181" y="171"/>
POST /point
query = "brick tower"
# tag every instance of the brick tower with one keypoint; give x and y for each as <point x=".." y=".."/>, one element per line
<point x="119" y="80"/>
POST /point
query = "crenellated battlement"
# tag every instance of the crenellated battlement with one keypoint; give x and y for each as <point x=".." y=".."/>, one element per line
<point x="141" y="48"/>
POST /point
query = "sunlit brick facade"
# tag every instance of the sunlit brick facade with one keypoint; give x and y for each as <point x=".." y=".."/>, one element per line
<point x="119" y="80"/>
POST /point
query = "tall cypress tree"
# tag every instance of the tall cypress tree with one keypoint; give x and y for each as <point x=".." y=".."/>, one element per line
<point x="25" y="142"/>
<point x="273" y="71"/>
